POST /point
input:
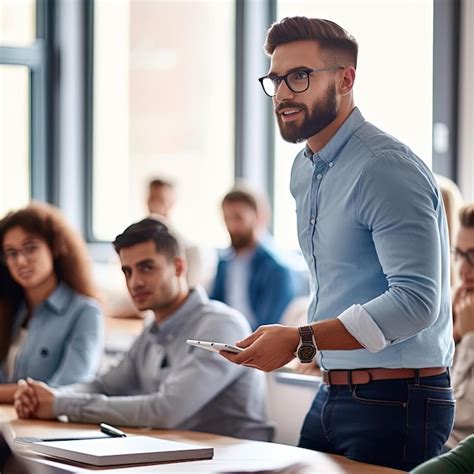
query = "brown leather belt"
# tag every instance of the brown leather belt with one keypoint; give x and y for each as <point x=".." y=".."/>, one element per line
<point x="362" y="376"/>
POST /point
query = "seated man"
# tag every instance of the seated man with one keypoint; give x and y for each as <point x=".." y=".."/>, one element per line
<point x="250" y="276"/>
<point x="162" y="382"/>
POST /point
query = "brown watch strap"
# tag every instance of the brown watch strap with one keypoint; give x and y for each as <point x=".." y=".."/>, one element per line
<point x="306" y="333"/>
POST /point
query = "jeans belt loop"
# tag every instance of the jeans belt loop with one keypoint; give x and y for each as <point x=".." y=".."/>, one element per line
<point x="417" y="376"/>
<point x="349" y="379"/>
<point x="329" y="377"/>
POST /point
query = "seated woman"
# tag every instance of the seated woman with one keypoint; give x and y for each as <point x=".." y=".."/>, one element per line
<point x="463" y="313"/>
<point x="51" y="327"/>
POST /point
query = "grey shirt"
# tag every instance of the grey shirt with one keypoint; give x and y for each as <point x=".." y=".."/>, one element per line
<point x="164" y="383"/>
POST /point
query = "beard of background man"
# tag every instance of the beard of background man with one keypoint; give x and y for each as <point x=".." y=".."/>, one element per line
<point x="322" y="114"/>
<point x="242" y="241"/>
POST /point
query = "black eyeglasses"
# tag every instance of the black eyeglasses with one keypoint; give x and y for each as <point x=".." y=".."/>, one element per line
<point x="458" y="254"/>
<point x="28" y="251"/>
<point x="297" y="81"/>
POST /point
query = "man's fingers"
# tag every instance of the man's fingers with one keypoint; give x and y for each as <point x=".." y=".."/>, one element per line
<point x="21" y="410"/>
<point x="242" y="357"/>
<point x="244" y="343"/>
<point x="25" y="391"/>
<point x="26" y="403"/>
<point x="30" y="399"/>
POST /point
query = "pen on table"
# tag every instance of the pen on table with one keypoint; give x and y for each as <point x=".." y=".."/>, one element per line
<point x="111" y="431"/>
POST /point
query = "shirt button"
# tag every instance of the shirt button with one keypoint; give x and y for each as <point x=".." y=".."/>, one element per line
<point x="319" y="176"/>
<point x="331" y="164"/>
<point x="312" y="221"/>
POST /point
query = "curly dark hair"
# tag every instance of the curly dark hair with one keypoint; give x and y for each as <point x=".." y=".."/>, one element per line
<point x="71" y="260"/>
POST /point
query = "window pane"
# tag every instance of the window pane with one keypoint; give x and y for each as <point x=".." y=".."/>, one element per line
<point x="163" y="106"/>
<point x="393" y="88"/>
<point x="14" y="137"/>
<point x="17" y="22"/>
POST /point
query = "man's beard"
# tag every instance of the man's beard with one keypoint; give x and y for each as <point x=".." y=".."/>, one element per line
<point x="240" y="242"/>
<point x="322" y="114"/>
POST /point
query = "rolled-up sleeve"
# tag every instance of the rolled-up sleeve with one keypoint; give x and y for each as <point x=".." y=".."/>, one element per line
<point x="399" y="204"/>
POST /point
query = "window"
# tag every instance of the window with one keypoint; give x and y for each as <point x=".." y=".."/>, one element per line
<point x="393" y="88"/>
<point x="23" y="117"/>
<point x="163" y="106"/>
<point x="17" y="22"/>
<point x="14" y="137"/>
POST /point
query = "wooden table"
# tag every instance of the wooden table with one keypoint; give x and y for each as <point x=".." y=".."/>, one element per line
<point x="230" y="454"/>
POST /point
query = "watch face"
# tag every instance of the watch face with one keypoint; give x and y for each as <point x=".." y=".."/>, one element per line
<point x="306" y="352"/>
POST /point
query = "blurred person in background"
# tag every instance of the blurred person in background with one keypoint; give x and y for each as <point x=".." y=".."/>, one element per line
<point x="161" y="201"/>
<point x="463" y="314"/>
<point x="161" y="197"/>
<point x="251" y="276"/>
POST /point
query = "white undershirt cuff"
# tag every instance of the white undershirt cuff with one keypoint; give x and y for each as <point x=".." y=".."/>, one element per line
<point x="362" y="327"/>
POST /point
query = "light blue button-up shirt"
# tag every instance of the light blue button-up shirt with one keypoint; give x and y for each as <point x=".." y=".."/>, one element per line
<point x="372" y="228"/>
<point x="64" y="339"/>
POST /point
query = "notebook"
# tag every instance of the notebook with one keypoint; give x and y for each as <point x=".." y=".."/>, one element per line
<point x="129" y="450"/>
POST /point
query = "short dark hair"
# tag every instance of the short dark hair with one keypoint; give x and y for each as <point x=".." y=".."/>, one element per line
<point x="466" y="215"/>
<point x="160" y="182"/>
<point x="154" y="230"/>
<point x="330" y="36"/>
<point x="241" y="195"/>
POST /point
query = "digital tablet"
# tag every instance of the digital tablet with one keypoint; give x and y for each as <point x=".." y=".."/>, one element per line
<point x="214" y="346"/>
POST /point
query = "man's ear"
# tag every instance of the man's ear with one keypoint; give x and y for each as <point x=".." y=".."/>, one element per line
<point x="180" y="266"/>
<point x="346" y="81"/>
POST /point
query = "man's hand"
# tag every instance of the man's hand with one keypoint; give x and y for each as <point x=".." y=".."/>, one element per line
<point x="268" y="348"/>
<point x="24" y="400"/>
<point x="464" y="310"/>
<point x="34" y="400"/>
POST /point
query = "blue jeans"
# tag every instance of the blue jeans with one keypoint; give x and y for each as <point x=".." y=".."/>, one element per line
<point x="393" y="423"/>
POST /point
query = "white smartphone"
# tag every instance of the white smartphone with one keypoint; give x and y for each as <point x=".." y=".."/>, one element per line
<point x="214" y="346"/>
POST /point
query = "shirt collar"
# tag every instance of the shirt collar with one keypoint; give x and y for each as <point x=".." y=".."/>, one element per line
<point x="332" y="149"/>
<point x="230" y="254"/>
<point x="197" y="297"/>
<point x="59" y="299"/>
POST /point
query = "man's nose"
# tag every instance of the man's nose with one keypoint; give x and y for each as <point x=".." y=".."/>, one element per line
<point x="135" y="281"/>
<point x="283" y="92"/>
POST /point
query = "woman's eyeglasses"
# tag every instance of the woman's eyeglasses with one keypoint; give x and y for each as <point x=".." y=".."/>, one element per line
<point x="459" y="254"/>
<point x="28" y="251"/>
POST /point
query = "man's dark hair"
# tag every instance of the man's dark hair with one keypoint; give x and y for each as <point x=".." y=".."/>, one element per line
<point x="466" y="216"/>
<point x="330" y="36"/>
<point x="154" y="230"/>
<point x="241" y="195"/>
<point x="160" y="183"/>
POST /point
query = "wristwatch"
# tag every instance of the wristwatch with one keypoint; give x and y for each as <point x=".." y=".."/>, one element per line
<point x="307" y="348"/>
